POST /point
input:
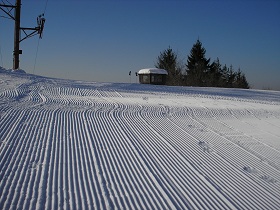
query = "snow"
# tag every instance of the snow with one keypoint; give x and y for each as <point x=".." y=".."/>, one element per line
<point x="21" y="71"/>
<point x="86" y="145"/>
<point x="152" y="71"/>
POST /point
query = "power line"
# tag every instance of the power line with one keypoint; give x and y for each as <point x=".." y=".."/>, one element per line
<point x="36" y="55"/>
<point x="7" y="1"/>
<point x="2" y="64"/>
<point x="45" y="7"/>
<point x="1" y="55"/>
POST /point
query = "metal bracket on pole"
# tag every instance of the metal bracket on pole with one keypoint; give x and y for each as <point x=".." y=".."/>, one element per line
<point x="37" y="30"/>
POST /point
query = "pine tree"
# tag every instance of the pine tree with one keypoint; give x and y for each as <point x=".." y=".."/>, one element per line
<point x="198" y="66"/>
<point x="215" y="74"/>
<point x="237" y="82"/>
<point x="168" y="61"/>
<point x="231" y="77"/>
<point x="224" y="76"/>
<point x="241" y="81"/>
<point x="244" y="82"/>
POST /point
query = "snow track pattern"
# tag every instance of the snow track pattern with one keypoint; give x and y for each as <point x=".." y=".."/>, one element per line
<point x="69" y="145"/>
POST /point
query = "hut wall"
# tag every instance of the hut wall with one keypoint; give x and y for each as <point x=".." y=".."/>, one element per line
<point x="156" y="79"/>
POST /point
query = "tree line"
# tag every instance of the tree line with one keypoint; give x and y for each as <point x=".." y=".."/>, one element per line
<point x="199" y="71"/>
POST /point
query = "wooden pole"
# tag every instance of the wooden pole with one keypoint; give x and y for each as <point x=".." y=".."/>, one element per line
<point x="17" y="51"/>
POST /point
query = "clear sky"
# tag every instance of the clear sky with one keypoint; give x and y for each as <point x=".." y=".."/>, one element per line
<point x="102" y="40"/>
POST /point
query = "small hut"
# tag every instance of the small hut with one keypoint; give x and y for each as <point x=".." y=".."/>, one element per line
<point x="152" y="76"/>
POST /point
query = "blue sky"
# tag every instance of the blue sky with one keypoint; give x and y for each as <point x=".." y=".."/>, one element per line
<point x="102" y="41"/>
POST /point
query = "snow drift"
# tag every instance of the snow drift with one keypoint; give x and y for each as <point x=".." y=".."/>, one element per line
<point x="84" y="145"/>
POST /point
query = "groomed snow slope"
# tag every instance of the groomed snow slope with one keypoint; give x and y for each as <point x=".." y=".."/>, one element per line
<point x="80" y="145"/>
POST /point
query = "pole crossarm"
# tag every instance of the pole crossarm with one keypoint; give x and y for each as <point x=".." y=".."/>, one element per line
<point x="9" y="11"/>
<point x="34" y="32"/>
<point x="4" y="5"/>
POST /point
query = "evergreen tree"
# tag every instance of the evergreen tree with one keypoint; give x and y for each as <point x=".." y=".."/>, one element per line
<point x="244" y="82"/>
<point x="199" y="71"/>
<point x="237" y="81"/>
<point x="168" y="61"/>
<point x="198" y="66"/>
<point x="224" y="76"/>
<point x="215" y="74"/>
<point x="240" y="80"/>
<point x="231" y="77"/>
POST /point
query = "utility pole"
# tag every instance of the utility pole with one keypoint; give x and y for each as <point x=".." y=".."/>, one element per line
<point x="17" y="35"/>
<point x="17" y="51"/>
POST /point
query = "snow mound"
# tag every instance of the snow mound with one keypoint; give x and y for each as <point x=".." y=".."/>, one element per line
<point x="20" y="71"/>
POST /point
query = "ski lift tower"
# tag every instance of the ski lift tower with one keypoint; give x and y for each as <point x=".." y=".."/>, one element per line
<point x="29" y="32"/>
